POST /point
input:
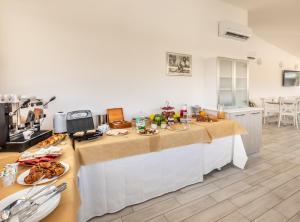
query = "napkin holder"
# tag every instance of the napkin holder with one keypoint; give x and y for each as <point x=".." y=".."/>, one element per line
<point x="116" y="119"/>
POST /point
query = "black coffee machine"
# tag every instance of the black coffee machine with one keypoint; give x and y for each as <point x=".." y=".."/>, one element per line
<point x="11" y="130"/>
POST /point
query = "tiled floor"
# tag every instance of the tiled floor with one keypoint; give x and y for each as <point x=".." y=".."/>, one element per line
<point x="267" y="190"/>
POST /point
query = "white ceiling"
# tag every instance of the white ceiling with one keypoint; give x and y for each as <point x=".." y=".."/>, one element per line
<point x="277" y="21"/>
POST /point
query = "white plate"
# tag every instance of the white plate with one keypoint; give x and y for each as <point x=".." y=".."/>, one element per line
<point x="156" y="132"/>
<point x="20" y="179"/>
<point x="181" y="129"/>
<point x="42" y="211"/>
<point x="117" y="132"/>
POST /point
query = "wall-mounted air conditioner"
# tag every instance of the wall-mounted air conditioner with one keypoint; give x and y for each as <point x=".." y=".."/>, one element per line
<point x="234" y="31"/>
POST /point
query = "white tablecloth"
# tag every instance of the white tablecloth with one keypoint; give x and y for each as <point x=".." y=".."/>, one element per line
<point x="110" y="186"/>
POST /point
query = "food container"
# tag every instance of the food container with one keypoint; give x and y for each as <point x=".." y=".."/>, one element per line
<point x="102" y="119"/>
<point x="8" y="175"/>
<point x="60" y="122"/>
<point x="140" y="123"/>
<point x="147" y="121"/>
<point x="196" y="110"/>
<point x="154" y="126"/>
<point x="183" y="111"/>
<point x="168" y="111"/>
<point x="116" y="119"/>
<point x="163" y="125"/>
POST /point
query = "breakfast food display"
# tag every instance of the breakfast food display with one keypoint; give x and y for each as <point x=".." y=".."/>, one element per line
<point x="53" y="140"/>
<point x="82" y="133"/>
<point x="205" y="117"/>
<point x="117" y="132"/>
<point x="28" y="158"/>
<point x="148" y="132"/>
<point x="178" y="127"/>
<point x="212" y="118"/>
<point x="168" y="111"/>
<point x="47" y="170"/>
<point x="116" y="119"/>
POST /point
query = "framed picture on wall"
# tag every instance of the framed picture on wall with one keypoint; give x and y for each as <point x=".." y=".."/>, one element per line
<point x="179" y="64"/>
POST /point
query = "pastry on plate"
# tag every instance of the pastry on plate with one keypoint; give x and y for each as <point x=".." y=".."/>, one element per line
<point x="45" y="169"/>
<point x="148" y="132"/>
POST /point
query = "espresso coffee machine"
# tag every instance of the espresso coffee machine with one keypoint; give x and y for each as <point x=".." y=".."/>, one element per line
<point x="12" y="129"/>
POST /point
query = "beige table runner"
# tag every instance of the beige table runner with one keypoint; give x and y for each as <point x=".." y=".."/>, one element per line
<point x="223" y="128"/>
<point x="115" y="147"/>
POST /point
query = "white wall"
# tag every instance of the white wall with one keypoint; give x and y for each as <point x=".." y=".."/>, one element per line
<point x="266" y="79"/>
<point x="96" y="54"/>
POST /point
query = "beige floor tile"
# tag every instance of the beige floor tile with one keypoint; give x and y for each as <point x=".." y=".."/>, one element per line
<point x="295" y="219"/>
<point x="249" y="195"/>
<point x="288" y="189"/>
<point x="158" y="219"/>
<point x="226" y="172"/>
<point x="257" y="168"/>
<point x="214" y="213"/>
<point x="190" y="209"/>
<point x="294" y="171"/>
<point x="117" y="220"/>
<point x="226" y="181"/>
<point x="259" y="206"/>
<point x="277" y="180"/>
<point x="290" y="207"/>
<point x="152" y="211"/>
<point x="254" y="161"/>
<point x="196" y="193"/>
<point x="281" y="159"/>
<point x="270" y="156"/>
<point x="234" y="217"/>
<point x="114" y="216"/>
<point x="283" y="167"/>
<point x="288" y="149"/>
<point x="153" y="201"/>
<point x="206" y="180"/>
<point x="229" y="191"/>
<point x="295" y="160"/>
<point x="259" y="177"/>
<point x="271" y="216"/>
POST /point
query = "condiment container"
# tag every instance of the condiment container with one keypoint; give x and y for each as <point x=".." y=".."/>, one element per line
<point x="8" y="175"/>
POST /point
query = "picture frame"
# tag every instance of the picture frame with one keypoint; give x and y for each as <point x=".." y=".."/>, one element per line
<point x="179" y="64"/>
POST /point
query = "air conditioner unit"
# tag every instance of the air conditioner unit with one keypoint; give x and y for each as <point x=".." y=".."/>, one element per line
<point x="234" y="31"/>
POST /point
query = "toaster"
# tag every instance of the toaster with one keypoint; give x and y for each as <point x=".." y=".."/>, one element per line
<point x="81" y="121"/>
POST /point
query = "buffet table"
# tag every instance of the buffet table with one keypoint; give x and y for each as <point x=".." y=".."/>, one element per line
<point x="115" y="172"/>
<point x="121" y="171"/>
<point x="69" y="203"/>
<point x="110" y="147"/>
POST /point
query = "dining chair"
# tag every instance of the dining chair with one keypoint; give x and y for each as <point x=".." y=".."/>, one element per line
<point x="270" y="108"/>
<point x="298" y="109"/>
<point x="288" y="107"/>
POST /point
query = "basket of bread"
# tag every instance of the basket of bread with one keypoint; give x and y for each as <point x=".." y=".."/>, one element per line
<point x="53" y="140"/>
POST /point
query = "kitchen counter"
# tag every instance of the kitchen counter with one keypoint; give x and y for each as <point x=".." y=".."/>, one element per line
<point x="237" y="110"/>
<point x="251" y="119"/>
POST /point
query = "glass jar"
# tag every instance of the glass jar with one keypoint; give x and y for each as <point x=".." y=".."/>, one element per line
<point x="140" y="123"/>
<point x="9" y="174"/>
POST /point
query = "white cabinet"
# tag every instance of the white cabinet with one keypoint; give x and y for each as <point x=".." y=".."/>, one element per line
<point x="252" y="121"/>
<point x="226" y="82"/>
